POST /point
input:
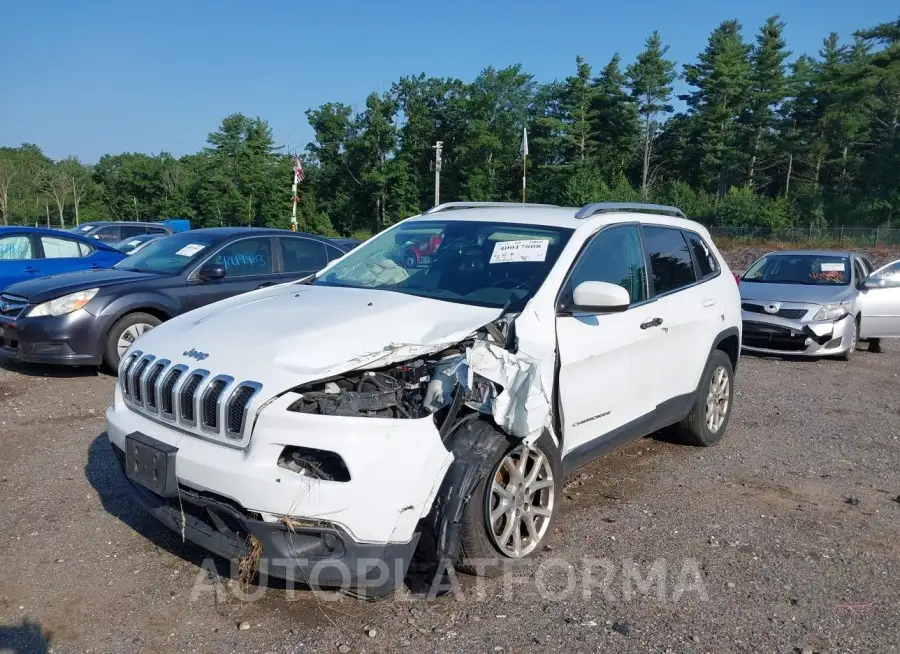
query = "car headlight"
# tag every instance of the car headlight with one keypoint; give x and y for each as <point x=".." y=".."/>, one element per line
<point x="833" y="311"/>
<point x="63" y="305"/>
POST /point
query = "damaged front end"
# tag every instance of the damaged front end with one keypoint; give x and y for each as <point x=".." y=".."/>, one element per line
<point x="480" y="375"/>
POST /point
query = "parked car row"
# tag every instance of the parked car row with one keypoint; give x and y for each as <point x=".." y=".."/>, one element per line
<point x="102" y="298"/>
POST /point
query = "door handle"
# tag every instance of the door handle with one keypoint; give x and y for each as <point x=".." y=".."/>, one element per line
<point x="266" y="284"/>
<point x="709" y="302"/>
<point x="31" y="269"/>
<point x="656" y="322"/>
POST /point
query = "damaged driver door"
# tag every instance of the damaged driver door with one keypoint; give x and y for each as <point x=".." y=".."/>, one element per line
<point x="597" y="392"/>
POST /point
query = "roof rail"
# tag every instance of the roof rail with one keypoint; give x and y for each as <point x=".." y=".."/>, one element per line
<point x="589" y="210"/>
<point x="449" y="206"/>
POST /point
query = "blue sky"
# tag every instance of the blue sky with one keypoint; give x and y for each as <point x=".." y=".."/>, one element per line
<point x="87" y="78"/>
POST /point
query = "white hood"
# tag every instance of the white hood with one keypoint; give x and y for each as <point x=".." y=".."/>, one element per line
<point x="295" y="333"/>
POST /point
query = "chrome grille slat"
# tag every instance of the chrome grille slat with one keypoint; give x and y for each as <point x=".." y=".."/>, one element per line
<point x="194" y="400"/>
<point x="215" y="392"/>
<point x="165" y="394"/>
<point x="136" y="378"/>
<point x="149" y="384"/>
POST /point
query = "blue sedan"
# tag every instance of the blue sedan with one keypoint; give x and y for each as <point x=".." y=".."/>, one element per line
<point x="30" y="252"/>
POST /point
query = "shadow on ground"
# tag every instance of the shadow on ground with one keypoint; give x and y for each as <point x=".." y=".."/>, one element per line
<point x="25" y="638"/>
<point x="58" y="372"/>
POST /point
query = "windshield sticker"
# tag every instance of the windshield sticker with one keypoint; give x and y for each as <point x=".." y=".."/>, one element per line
<point x="133" y="243"/>
<point x="189" y="250"/>
<point x="833" y="267"/>
<point x="520" y="251"/>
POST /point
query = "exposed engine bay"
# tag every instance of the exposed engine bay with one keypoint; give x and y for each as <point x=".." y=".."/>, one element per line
<point x="482" y="374"/>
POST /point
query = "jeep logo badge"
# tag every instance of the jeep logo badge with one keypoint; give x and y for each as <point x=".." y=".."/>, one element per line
<point x="194" y="354"/>
<point x="772" y="308"/>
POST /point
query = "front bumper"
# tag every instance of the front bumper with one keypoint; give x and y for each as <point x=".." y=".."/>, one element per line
<point x="74" y="339"/>
<point x="395" y="470"/>
<point x="774" y="335"/>
<point x="316" y="554"/>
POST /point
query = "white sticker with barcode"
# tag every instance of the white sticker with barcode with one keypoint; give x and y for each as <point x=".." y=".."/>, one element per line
<point x="520" y="251"/>
<point x="189" y="250"/>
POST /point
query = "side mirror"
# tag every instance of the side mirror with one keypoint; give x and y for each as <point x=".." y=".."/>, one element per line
<point x="599" y="297"/>
<point x="211" y="271"/>
<point x="874" y="282"/>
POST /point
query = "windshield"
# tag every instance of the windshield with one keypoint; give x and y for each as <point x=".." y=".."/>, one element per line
<point x="472" y="262"/>
<point x="807" y="269"/>
<point x="168" y="256"/>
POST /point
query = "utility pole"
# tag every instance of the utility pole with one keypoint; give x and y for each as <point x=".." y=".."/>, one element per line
<point x="437" y="147"/>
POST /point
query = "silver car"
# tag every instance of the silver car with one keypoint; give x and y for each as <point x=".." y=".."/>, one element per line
<point x="818" y="303"/>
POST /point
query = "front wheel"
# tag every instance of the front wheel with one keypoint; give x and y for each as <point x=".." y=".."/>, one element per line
<point x="124" y="333"/>
<point x="853" y="337"/>
<point x="510" y="514"/>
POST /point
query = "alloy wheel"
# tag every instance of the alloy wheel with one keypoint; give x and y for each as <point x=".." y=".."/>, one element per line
<point x="520" y="501"/>
<point x="718" y="399"/>
<point x="130" y="335"/>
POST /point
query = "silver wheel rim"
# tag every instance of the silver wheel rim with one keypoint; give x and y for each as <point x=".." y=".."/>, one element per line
<point x="520" y="502"/>
<point x="718" y="399"/>
<point x="130" y="335"/>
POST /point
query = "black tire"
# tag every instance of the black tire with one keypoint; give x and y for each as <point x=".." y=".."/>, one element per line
<point x="848" y="355"/>
<point x="480" y="448"/>
<point x="694" y="430"/>
<point x="111" y="351"/>
<point x="875" y="346"/>
<point x="410" y="261"/>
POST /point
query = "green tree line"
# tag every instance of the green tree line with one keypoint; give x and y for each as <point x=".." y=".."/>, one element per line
<point x="764" y="138"/>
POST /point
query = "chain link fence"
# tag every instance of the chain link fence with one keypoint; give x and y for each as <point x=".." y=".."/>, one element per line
<point x="831" y="236"/>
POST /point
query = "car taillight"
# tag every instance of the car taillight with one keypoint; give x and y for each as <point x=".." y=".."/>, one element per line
<point x="737" y="279"/>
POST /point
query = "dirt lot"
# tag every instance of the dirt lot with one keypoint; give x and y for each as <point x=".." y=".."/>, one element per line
<point x="785" y="538"/>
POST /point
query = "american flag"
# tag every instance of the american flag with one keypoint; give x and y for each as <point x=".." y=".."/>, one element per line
<point x="298" y="170"/>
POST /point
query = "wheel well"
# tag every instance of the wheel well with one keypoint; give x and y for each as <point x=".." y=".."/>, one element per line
<point x="730" y="346"/>
<point x="156" y="313"/>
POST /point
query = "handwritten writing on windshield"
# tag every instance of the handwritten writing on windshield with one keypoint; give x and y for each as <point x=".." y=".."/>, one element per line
<point x="829" y="276"/>
<point x="242" y="261"/>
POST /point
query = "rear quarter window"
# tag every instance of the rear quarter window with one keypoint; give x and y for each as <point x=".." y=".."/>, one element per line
<point x="707" y="264"/>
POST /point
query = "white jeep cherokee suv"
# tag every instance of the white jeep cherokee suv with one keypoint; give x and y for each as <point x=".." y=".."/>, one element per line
<point x="430" y="389"/>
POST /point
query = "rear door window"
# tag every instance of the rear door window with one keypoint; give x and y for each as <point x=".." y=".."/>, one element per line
<point x="300" y="255"/>
<point x="671" y="265"/>
<point x="60" y="248"/>
<point x="707" y="265"/>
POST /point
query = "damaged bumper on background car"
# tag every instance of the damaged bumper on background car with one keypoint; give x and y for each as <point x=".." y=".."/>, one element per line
<point x="339" y="473"/>
<point x="774" y="335"/>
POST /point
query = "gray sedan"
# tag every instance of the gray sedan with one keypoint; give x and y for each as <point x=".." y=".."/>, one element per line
<point x="818" y="303"/>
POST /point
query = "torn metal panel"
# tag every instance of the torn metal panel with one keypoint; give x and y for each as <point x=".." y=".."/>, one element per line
<point x="523" y="407"/>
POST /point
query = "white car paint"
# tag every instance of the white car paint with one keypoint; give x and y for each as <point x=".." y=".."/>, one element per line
<point x="292" y="334"/>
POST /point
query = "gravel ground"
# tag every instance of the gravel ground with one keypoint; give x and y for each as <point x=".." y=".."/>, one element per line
<point x="782" y="539"/>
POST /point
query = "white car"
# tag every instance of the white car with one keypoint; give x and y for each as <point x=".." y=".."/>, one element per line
<point x="346" y="420"/>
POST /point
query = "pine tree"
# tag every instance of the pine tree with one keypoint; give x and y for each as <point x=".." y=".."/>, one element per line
<point x="650" y="80"/>
<point x="766" y="92"/>
<point x="721" y="78"/>
<point x="614" y="122"/>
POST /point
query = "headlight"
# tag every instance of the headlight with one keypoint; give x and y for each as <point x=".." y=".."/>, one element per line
<point x="834" y="311"/>
<point x="63" y="305"/>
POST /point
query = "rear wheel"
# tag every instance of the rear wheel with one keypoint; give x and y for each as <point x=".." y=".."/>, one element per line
<point x="706" y="423"/>
<point x="124" y="333"/>
<point x="875" y="345"/>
